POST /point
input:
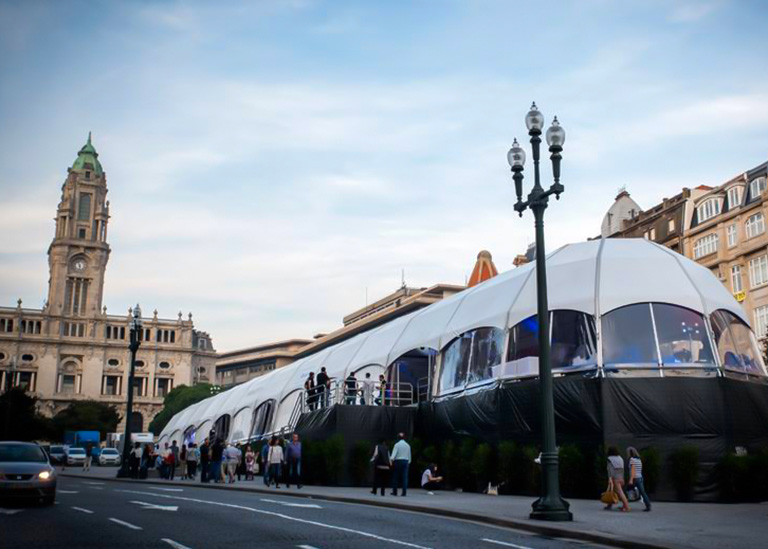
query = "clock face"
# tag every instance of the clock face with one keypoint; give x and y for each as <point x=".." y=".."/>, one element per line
<point x="79" y="265"/>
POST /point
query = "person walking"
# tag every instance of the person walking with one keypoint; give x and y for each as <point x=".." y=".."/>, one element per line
<point x="322" y="387"/>
<point x="275" y="459"/>
<point x="134" y="459"/>
<point x="241" y="463"/>
<point x="88" y="457"/>
<point x="146" y="461"/>
<point x="400" y="458"/>
<point x="183" y="461"/>
<point x="381" y="466"/>
<point x="250" y="463"/>
<point x="233" y="457"/>
<point x="350" y="389"/>
<point x="205" y="453"/>
<point x="264" y="454"/>
<point x="193" y="455"/>
<point x="293" y="459"/>
<point x="636" y="476"/>
<point x="615" y="469"/>
<point x="311" y="392"/>
<point x="368" y="387"/>
<point x="174" y="461"/>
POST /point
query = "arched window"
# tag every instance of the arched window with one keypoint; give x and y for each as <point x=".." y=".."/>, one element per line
<point x="683" y="337"/>
<point x="455" y="363"/>
<point x="221" y="426"/>
<point x="262" y="419"/>
<point x="487" y="351"/>
<point x="628" y="338"/>
<point x="709" y="209"/>
<point x="241" y="425"/>
<point x="736" y="344"/>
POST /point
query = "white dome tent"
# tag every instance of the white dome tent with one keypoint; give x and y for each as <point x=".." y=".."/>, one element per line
<point x="619" y="307"/>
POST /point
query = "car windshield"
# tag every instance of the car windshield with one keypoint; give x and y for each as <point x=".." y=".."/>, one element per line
<point x="109" y="451"/>
<point x="76" y="451"/>
<point x="57" y="449"/>
<point x="15" y="453"/>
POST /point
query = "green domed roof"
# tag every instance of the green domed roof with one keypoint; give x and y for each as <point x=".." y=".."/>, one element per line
<point x="88" y="159"/>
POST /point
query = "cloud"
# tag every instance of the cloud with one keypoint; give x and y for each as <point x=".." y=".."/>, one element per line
<point x="687" y="11"/>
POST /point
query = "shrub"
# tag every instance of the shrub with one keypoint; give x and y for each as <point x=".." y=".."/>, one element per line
<point x="572" y="473"/>
<point x="313" y="462"/>
<point x="684" y="466"/>
<point x="651" y="468"/>
<point x="452" y="464"/>
<point x="480" y="465"/>
<point x="506" y="456"/>
<point x="333" y="456"/>
<point x="744" y="478"/>
<point x="360" y="462"/>
<point x="466" y="452"/>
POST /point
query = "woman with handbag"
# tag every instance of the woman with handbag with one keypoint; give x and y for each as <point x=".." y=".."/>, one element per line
<point x="381" y="464"/>
<point x="616" y="481"/>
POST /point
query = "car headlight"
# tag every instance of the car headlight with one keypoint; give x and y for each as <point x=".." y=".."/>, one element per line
<point x="45" y="475"/>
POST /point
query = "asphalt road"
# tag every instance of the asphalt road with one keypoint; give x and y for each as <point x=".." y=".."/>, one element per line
<point x="113" y="515"/>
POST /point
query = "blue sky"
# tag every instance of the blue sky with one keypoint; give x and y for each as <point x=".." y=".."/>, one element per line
<point x="270" y="162"/>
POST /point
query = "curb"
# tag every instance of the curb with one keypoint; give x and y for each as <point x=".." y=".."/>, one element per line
<point x="536" y="528"/>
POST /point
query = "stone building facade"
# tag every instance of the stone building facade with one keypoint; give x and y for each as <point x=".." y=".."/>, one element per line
<point x="71" y="349"/>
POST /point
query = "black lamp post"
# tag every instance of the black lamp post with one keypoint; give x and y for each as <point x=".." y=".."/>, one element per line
<point x="135" y="331"/>
<point x="550" y="506"/>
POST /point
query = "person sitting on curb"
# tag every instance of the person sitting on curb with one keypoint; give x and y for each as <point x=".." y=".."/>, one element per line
<point x="430" y="481"/>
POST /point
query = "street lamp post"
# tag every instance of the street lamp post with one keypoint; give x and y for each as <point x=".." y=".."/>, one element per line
<point x="550" y="506"/>
<point x="135" y="331"/>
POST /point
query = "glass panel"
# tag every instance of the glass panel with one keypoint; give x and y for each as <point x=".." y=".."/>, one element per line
<point x="68" y="384"/>
<point x="453" y="371"/>
<point x="574" y="343"/>
<point x="261" y="418"/>
<point x="525" y="339"/>
<point x="682" y="334"/>
<point x="241" y="424"/>
<point x="736" y="344"/>
<point x="628" y="337"/>
<point x="84" y="208"/>
<point x="487" y="347"/>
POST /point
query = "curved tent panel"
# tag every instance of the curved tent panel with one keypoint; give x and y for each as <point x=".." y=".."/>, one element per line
<point x="240" y="428"/>
<point x="377" y="347"/>
<point x="634" y="271"/>
<point x="236" y="398"/>
<point x="426" y="327"/>
<point x="285" y="408"/>
<point x="181" y="420"/>
<point x="343" y="354"/>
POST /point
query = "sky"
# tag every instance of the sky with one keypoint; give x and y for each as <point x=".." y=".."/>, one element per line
<point x="273" y="164"/>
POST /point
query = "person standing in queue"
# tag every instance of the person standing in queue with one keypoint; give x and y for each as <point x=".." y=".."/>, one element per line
<point x="381" y="466"/>
<point x="400" y="458"/>
<point x="275" y="458"/>
<point x="293" y="460"/>
<point x="217" y="454"/>
<point x="382" y="400"/>
<point x="350" y="389"/>
<point x="265" y="461"/>
<point x="322" y="387"/>
<point x="205" y="452"/>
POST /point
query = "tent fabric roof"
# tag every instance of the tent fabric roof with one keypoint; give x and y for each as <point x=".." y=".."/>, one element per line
<point x="593" y="277"/>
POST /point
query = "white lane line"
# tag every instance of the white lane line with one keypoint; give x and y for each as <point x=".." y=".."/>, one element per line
<point x="128" y="524"/>
<point x="94" y="483"/>
<point x="86" y="511"/>
<point x="10" y="511"/>
<point x="505" y="544"/>
<point x="145" y="505"/>
<point x="283" y="516"/>
<point x="305" y="505"/>
<point x="67" y="492"/>
<point x="167" y="489"/>
<point x="174" y="544"/>
<point x="306" y="547"/>
<point x="95" y="487"/>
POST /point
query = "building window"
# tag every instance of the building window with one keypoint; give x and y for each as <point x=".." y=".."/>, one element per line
<point x="6" y="324"/>
<point x="164" y="365"/>
<point x="84" y="207"/>
<point x="164" y="386"/>
<point x="761" y="321"/>
<point x="68" y="384"/>
<point x="116" y="332"/>
<point x="72" y="329"/>
<point x="671" y="226"/>
<point x="27" y="358"/>
<point x="139" y="363"/>
<point x="139" y="386"/>
<point x="166" y="336"/>
<point x="709" y="209"/>
<point x="733" y="235"/>
<point x="30" y="326"/>
<point x="756" y="187"/>
<point x="736" y="283"/>
<point x="734" y="197"/>
<point x="705" y="246"/>
<point x="87" y="174"/>
<point x="113" y="362"/>
<point x="111" y="385"/>
<point x="758" y="271"/>
<point x="755" y="225"/>
<point x="652" y="234"/>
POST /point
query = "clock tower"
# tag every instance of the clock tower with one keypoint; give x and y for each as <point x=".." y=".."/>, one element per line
<point x="78" y="255"/>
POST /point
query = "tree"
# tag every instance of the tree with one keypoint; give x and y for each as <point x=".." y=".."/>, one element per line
<point x="178" y="399"/>
<point x="87" y="415"/>
<point x="19" y="418"/>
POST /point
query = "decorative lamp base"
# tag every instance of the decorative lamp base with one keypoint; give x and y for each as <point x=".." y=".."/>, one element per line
<point x="553" y="511"/>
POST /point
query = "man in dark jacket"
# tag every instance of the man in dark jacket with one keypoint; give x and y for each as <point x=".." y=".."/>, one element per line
<point x="217" y="453"/>
<point x="204" y="461"/>
<point x="322" y="387"/>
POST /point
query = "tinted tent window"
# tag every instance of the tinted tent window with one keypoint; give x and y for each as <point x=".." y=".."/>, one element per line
<point x="455" y="362"/>
<point x="574" y="344"/>
<point x="487" y="347"/>
<point x="736" y="344"/>
<point x="221" y="427"/>
<point x="628" y="336"/>
<point x="524" y="339"/>
<point x="241" y="424"/>
<point x="682" y="336"/>
<point x="261" y="418"/>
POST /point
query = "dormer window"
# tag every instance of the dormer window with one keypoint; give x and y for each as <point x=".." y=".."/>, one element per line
<point x="756" y="187"/>
<point x="709" y="209"/>
<point x="87" y="175"/>
<point x="734" y="196"/>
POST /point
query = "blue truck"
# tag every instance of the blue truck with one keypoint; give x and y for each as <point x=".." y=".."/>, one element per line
<point x="82" y="439"/>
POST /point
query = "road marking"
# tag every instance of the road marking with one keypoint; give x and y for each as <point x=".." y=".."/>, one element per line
<point x="505" y="544"/>
<point x="146" y="505"/>
<point x="305" y="505"/>
<point x="95" y="487"/>
<point x="10" y="511"/>
<point x="174" y="544"/>
<point x="94" y="483"/>
<point x="68" y="492"/>
<point x="306" y="547"/>
<point x="283" y="516"/>
<point x="86" y="511"/>
<point x="167" y="489"/>
<point x="128" y="524"/>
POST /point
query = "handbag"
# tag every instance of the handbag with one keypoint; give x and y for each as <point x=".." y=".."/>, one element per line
<point x="633" y="494"/>
<point x="609" y="497"/>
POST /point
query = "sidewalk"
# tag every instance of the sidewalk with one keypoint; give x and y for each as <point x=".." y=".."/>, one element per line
<point x="681" y="525"/>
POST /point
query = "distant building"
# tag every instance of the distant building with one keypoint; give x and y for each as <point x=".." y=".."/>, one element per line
<point x="484" y="269"/>
<point x="71" y="349"/>
<point x="624" y="208"/>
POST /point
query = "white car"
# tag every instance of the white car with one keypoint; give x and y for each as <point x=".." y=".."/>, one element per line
<point x="75" y="456"/>
<point x="109" y="456"/>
